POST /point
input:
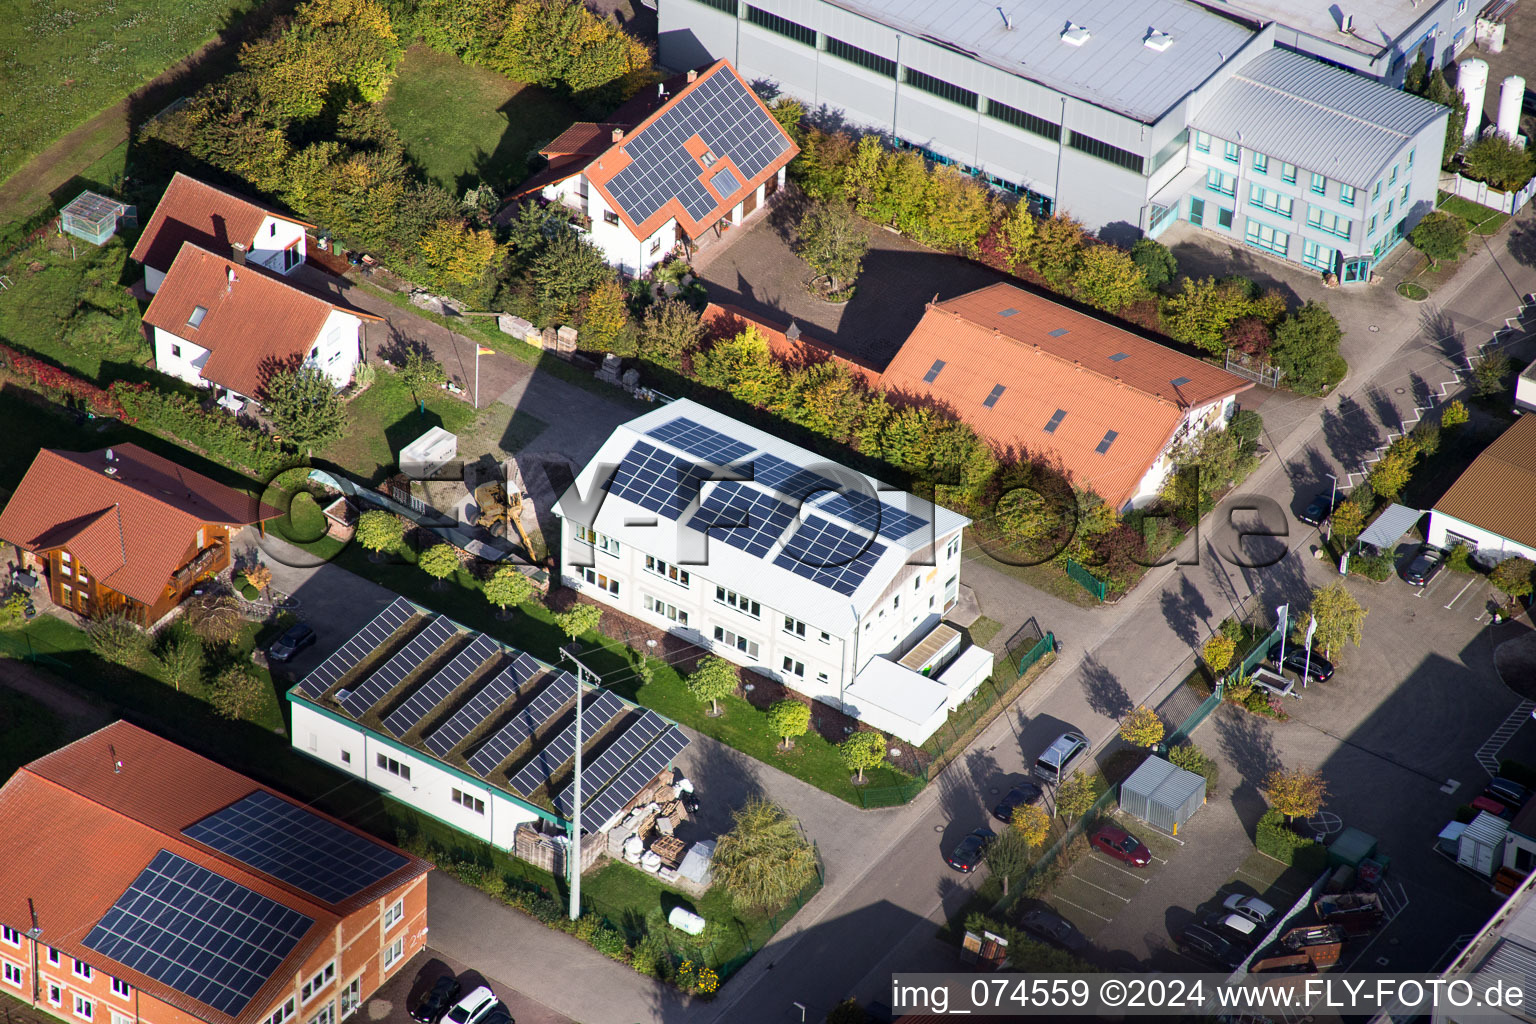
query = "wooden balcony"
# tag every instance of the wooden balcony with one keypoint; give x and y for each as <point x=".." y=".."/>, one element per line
<point x="207" y="559"/>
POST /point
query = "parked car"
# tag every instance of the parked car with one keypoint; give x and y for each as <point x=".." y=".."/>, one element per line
<point x="473" y="1008"/>
<point x="1319" y="669"/>
<point x="1204" y="944"/>
<point x="499" y="1015"/>
<point x="1508" y="792"/>
<point x="1425" y="564"/>
<point x="1019" y="796"/>
<point x="1048" y="926"/>
<point x="1321" y="508"/>
<point x="436" y="1002"/>
<point x="292" y="642"/>
<point x="1121" y="845"/>
<point x="1494" y="807"/>
<point x="1056" y="763"/>
<point x="1235" y="928"/>
<point x="1251" y="907"/>
<point x="968" y="852"/>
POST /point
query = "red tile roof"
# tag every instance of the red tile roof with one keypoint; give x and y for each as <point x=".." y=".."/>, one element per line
<point x="1498" y="491"/>
<point x="129" y="529"/>
<point x="1075" y="371"/>
<point x="725" y="321"/>
<point x="583" y="137"/>
<point x="254" y="324"/>
<point x="194" y="211"/>
<point x="79" y="832"/>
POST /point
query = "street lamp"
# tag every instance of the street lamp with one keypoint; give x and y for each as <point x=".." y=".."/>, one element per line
<point x="1331" y="499"/>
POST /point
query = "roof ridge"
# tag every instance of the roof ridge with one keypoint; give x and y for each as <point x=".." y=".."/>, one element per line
<point x="261" y="275"/>
<point x="236" y="196"/>
<point x="158" y="498"/>
<point x="1322" y="106"/>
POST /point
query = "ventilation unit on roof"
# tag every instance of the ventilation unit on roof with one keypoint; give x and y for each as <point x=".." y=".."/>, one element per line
<point x="1010" y="311"/>
<point x="1179" y="382"/>
<point x="1157" y="40"/>
<point x="1074" y="34"/>
<point x="1007" y="22"/>
<point x="1346" y="22"/>
<point x="1058" y="332"/>
<point x="1119" y="356"/>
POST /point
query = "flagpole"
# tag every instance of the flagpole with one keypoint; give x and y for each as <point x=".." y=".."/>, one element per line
<point x="477" y="375"/>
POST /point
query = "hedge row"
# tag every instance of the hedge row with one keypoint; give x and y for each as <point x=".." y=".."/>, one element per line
<point x="1275" y="838"/>
<point x="217" y="435"/>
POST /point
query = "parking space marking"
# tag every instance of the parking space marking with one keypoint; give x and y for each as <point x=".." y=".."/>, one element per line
<point x="1463" y="590"/>
<point x="1062" y="899"/>
<point x="1107" y="892"/>
<point x="1099" y="858"/>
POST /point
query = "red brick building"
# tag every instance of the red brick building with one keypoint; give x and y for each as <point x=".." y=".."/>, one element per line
<point x="143" y="884"/>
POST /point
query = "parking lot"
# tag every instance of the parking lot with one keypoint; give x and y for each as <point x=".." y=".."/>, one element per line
<point x="1097" y="888"/>
<point x="392" y="1003"/>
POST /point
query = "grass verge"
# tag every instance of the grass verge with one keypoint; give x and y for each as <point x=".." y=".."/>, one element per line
<point x="1481" y="220"/>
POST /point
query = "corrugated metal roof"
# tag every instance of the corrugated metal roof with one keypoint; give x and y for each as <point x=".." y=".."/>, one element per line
<point x="1390" y="526"/>
<point x="1487" y="828"/>
<point x="1145" y="780"/>
<point x="1497" y="492"/>
<point x="1299" y="110"/>
<point x="1113" y="69"/>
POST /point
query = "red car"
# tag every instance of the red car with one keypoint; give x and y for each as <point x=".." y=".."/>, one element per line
<point x="1121" y="845"/>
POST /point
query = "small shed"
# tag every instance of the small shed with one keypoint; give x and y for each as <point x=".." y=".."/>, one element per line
<point x="93" y="217"/>
<point x="1350" y="847"/>
<point x="1162" y="794"/>
<point x="697" y="862"/>
<point x="1481" y="846"/>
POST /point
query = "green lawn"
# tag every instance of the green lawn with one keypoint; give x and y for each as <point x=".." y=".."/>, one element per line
<point x="1481" y="220"/>
<point x="65" y="63"/>
<point x="28" y="730"/>
<point x="386" y="418"/>
<point x="463" y="124"/>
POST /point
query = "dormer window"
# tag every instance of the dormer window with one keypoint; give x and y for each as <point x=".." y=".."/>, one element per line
<point x="196" y="319"/>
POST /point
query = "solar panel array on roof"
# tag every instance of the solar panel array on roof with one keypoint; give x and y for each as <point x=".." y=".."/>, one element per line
<point x="493" y="694"/>
<point x="198" y="932"/>
<point x="351" y="654"/>
<point x="562" y="748"/>
<point x="730" y="122"/>
<point x="656" y="480"/>
<point x="696" y="439"/>
<point x="1059" y="332"/>
<point x="624" y="749"/>
<point x="443" y="682"/>
<point x="829" y="554"/>
<point x="295" y="845"/>
<point x="744" y="517"/>
<point x="553" y="696"/>
<point x="621" y="791"/>
<point x="393" y="672"/>
<point x="1055" y="420"/>
<point x="789" y="479"/>
<point x="869" y="513"/>
<point x="1179" y="382"/>
<point x="1119" y="356"/>
<point x="933" y="371"/>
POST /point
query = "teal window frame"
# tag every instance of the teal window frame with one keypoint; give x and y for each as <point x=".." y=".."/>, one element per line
<point x="1347" y="194"/>
<point x="1231" y="152"/>
<point x="1316" y="217"/>
<point x="1392" y="178"/>
<point x="1311" y="255"/>
<point x="1404" y="197"/>
<point x="1371" y="228"/>
<point x="1216" y="181"/>
<point x="1260" y="163"/>
<point x="1410" y="158"/>
<point x="1277" y="203"/>
<point x="1224" y="218"/>
<point x="1288" y="173"/>
<point x="1202" y="142"/>
<point x="1376" y="192"/>
<point x="1254" y="236"/>
<point x="1319" y="184"/>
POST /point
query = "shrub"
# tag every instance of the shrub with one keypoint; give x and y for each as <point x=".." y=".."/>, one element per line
<point x="379" y="530"/>
<point x="1513" y="576"/>
<point x="1276" y="839"/>
<point x="1488" y="374"/>
<point x="1218" y="652"/>
<point x="1440" y="236"/>
<point x="1464" y="814"/>
<point x="1306" y="349"/>
<point x="117" y="639"/>
<point x="1157" y="262"/>
<point x="650" y="957"/>
<point x="1500" y="162"/>
<point x="237" y="693"/>
<point x="1453" y="415"/>
<point x="215" y="618"/>
<point x="1108" y="278"/>
<point x="1372" y="567"/>
<point x="217" y="434"/>
<point x="1459" y="558"/>
<point x="1192" y="759"/>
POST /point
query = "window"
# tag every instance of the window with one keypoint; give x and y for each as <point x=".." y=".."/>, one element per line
<point x="121" y="1018"/>
<point x="1319" y="184"/>
<point x="671" y="572"/>
<point x="1318" y="256"/>
<point x="54" y="960"/>
<point x="821" y="677"/>
<point x="283" y="1014"/>
<point x="793" y="667"/>
<point x="1410" y="158"/>
<point x="1392" y="178"/>
<point x="783" y="26"/>
<point x="396" y="911"/>
<point x="1260" y="163"/>
<point x="1388" y="212"/>
<point x="1025" y="120"/>
<point x="601" y="581"/>
<point x="196" y="319"/>
<point x="1461" y="7"/>
<point x="1224" y="217"/>
<point x="346" y="757"/>
<point x="1226" y="184"/>
<point x="120" y="988"/>
<point x="863" y="58"/>
<point x="1268" y="199"/>
<point x="1202" y="142"/>
<point x="323" y="977"/>
<point x="13" y="974"/>
<point x="655" y="245"/>
<point x="394" y="767"/>
<point x="1175" y="147"/>
<point x="953" y="549"/>
<point x="1403" y="198"/>
<point x="326" y="1015"/>
<point x="728" y="6"/>
<point x="609" y="217"/>
<point x="10" y="935"/>
<point x="1376" y="192"/>
<point x="84" y="1008"/>
<point x="1230" y="152"/>
<point x="1347" y="195"/>
<point x="826" y="637"/>
<point x="1265" y="237"/>
<point x="601" y="541"/>
<point x="1332" y="223"/>
<point x="671" y="611"/>
<point x="795" y="626"/>
<point x="393" y="952"/>
<point x="82" y="971"/>
<point x="1288" y="173"/>
<point x="940" y="88"/>
<point x="55" y="994"/>
<point x="745" y="605"/>
<point x="176" y="351"/>
<point x="741" y="643"/>
<point x="351" y="996"/>
<point x="1104" y="151"/>
<point x="291" y="258"/>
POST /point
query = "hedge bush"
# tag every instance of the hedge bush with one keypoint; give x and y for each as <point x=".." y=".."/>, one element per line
<point x="1373" y="567"/>
<point x="217" y="434"/>
<point x="1275" y="838"/>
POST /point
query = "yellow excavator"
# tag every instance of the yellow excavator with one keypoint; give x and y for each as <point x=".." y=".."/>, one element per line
<point x="496" y="511"/>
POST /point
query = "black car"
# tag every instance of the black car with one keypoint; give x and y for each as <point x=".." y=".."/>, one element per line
<point x="292" y="642"/>
<point x="1321" y="508"/>
<point x="1204" y="944"/>
<point x="436" y="1002"/>
<point x="968" y="852"/>
<point x="499" y="1015"/>
<point x="1426" y="562"/>
<point x="1507" y="792"/>
<point x="1049" y="926"/>
<point x="1319" y="669"/>
<point x="1022" y="794"/>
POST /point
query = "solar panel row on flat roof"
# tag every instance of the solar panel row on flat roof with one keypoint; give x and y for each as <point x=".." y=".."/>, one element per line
<point x="622" y="790"/>
<point x="443" y="682"/>
<point x="596" y="714"/>
<point x="505" y="685"/>
<point x="830" y="555"/>
<point x="351" y="654"/>
<point x="394" y="671"/>
<point x="624" y="749"/>
<point x="554" y="695"/>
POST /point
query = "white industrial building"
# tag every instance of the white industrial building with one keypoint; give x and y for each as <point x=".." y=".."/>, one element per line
<point x="1488" y="508"/>
<point x="767" y="554"/>
<point x="475" y="734"/>
<point x="1098" y="109"/>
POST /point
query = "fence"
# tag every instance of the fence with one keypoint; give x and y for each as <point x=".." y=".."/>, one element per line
<point x="1268" y="376"/>
<point x="1482" y="193"/>
<point x="24" y="647"/>
<point x="1043" y="646"/>
<point x="1087" y="580"/>
<point x="1259" y="652"/>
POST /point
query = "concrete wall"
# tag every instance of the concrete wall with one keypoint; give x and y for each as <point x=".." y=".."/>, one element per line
<point x="1442" y="525"/>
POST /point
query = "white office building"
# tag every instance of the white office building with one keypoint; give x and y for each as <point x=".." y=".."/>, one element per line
<point x="770" y="556"/>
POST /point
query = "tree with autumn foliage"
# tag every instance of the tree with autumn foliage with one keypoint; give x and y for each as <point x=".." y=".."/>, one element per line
<point x="1142" y="727"/>
<point x="1108" y="278"/>
<point x="1295" y="792"/>
<point x="460" y="255"/>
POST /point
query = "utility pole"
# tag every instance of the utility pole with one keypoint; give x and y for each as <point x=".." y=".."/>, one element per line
<point x="1333" y="500"/>
<point x="574" y="861"/>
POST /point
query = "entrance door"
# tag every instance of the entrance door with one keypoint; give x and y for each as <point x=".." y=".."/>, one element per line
<point x="1356" y="270"/>
<point x="1197" y="212"/>
<point x="749" y="204"/>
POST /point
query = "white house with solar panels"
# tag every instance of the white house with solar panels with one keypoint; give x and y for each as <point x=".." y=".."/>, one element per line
<point x="767" y="554"/>
<point x="472" y="732"/>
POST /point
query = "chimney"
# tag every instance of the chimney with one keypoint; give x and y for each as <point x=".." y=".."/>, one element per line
<point x="692" y="74"/>
<point x="117" y="762"/>
<point x="238" y="251"/>
<point x="792" y="332"/>
<point x="618" y="135"/>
